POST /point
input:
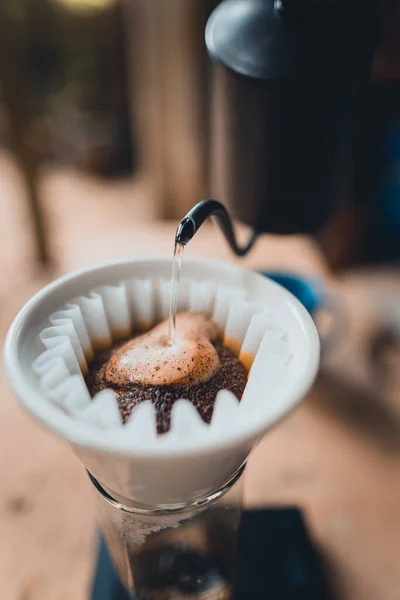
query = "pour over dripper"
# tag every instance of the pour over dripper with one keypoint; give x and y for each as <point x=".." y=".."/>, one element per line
<point x="168" y="470"/>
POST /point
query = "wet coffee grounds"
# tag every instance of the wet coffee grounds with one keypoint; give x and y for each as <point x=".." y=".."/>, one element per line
<point x="231" y="376"/>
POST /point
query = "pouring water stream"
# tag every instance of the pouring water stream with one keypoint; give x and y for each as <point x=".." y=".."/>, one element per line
<point x="184" y="233"/>
<point x="174" y="290"/>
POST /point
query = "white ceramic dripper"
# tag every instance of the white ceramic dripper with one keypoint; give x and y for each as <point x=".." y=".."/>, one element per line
<point x="156" y="470"/>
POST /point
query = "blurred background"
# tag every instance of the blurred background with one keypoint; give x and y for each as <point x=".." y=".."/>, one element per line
<point x="105" y="137"/>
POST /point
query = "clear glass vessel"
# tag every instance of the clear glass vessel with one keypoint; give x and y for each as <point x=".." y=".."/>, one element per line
<point x="184" y="552"/>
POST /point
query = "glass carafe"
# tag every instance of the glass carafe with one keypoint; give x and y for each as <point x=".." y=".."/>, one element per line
<point x="184" y="552"/>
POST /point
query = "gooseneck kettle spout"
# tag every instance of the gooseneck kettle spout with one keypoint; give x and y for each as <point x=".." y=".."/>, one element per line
<point x="196" y="217"/>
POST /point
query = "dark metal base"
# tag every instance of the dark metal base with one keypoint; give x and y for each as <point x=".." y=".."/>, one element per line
<point x="276" y="560"/>
<point x="106" y="585"/>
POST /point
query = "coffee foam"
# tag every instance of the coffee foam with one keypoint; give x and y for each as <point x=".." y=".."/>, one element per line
<point x="151" y="360"/>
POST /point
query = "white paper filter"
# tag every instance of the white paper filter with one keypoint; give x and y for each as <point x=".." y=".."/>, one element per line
<point x="105" y="315"/>
<point x="89" y="311"/>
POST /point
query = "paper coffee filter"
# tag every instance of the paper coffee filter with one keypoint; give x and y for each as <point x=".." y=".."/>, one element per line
<point x="55" y="336"/>
<point x="105" y="315"/>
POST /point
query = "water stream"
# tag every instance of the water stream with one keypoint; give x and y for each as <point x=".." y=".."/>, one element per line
<point x="174" y="289"/>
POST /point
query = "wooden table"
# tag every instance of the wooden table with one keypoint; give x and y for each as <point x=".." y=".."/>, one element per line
<point x="337" y="456"/>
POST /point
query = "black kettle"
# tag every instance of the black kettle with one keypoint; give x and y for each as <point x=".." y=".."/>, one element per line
<point x="289" y="79"/>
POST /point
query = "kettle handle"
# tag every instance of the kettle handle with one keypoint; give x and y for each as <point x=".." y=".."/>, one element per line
<point x="190" y="224"/>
